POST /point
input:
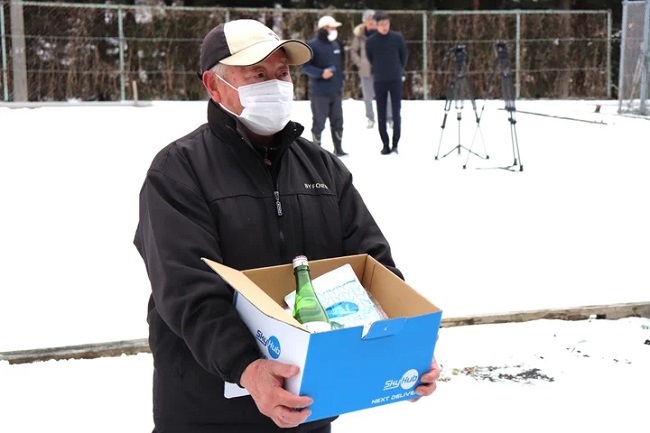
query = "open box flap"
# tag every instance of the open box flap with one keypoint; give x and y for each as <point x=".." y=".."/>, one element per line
<point x="246" y="288"/>
<point x="385" y="328"/>
<point x="396" y="302"/>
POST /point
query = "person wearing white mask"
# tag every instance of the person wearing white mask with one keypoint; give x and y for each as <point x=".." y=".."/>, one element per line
<point x="246" y="190"/>
<point x="325" y="72"/>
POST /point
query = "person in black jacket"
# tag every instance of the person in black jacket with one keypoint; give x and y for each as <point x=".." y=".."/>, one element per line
<point x="387" y="53"/>
<point x="325" y="72"/>
<point x="238" y="190"/>
<point x="361" y="34"/>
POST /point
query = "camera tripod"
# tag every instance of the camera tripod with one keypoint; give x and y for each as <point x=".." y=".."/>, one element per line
<point x="502" y="68"/>
<point x="460" y="88"/>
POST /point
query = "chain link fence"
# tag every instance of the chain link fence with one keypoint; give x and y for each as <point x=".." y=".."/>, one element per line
<point x="116" y="53"/>
<point x="634" y="75"/>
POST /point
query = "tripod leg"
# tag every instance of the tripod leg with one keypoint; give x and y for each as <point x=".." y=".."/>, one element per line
<point x="450" y="97"/>
<point x="477" y="131"/>
<point x="444" y="122"/>
<point x="515" y="142"/>
<point x="480" y="131"/>
<point x="459" y="116"/>
<point x="513" y="134"/>
<point x="508" y="93"/>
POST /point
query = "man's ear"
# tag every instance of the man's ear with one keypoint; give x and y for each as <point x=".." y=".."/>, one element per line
<point x="210" y="83"/>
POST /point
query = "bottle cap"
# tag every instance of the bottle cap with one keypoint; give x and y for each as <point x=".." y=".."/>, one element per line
<point x="300" y="261"/>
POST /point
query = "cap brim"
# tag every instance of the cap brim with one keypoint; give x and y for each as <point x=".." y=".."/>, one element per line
<point x="334" y="24"/>
<point x="298" y="53"/>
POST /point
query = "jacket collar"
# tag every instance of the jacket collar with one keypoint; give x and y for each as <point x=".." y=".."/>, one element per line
<point x="322" y="36"/>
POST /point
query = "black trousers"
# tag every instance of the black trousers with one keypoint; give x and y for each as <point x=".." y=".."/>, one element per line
<point x="323" y="429"/>
<point x="382" y="90"/>
<point x="324" y="107"/>
<point x="246" y="429"/>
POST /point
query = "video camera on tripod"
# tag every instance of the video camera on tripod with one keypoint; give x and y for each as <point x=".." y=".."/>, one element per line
<point x="460" y="55"/>
<point x="501" y="48"/>
<point x="503" y="71"/>
<point x="457" y="50"/>
<point x="460" y="88"/>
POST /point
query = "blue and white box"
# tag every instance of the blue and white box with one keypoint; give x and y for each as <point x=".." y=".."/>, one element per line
<point x="343" y="370"/>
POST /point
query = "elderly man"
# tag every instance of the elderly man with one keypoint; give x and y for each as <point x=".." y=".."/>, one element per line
<point x="235" y="190"/>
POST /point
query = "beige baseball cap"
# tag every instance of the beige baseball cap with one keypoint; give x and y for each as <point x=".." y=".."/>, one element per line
<point x="328" y="21"/>
<point x="248" y="42"/>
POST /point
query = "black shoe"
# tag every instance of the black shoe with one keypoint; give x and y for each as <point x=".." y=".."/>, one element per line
<point x="385" y="150"/>
<point x="394" y="149"/>
<point x="340" y="152"/>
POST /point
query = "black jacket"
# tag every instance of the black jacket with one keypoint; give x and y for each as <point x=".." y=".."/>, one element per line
<point x="326" y="54"/>
<point x="210" y="194"/>
<point x="388" y="55"/>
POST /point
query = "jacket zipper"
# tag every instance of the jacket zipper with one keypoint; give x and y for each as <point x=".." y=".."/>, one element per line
<point x="278" y="205"/>
<point x="278" y="208"/>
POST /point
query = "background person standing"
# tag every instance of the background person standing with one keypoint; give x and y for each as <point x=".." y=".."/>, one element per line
<point x="387" y="54"/>
<point x="358" y="52"/>
<point x="325" y="72"/>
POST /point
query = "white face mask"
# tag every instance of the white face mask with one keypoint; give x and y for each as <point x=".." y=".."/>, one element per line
<point x="332" y="35"/>
<point x="267" y="105"/>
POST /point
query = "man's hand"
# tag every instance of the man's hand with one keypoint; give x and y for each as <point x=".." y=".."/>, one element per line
<point x="327" y="74"/>
<point x="429" y="379"/>
<point x="264" y="379"/>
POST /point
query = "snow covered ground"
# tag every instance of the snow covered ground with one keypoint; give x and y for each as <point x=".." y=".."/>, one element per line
<point x="571" y="229"/>
<point x="539" y="376"/>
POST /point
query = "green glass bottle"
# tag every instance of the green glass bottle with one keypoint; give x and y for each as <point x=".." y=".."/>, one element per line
<point x="307" y="309"/>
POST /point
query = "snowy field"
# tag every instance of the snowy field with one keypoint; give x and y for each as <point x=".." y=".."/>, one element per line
<point x="571" y="229"/>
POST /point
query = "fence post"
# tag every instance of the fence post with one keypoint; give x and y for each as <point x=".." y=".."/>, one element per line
<point x="609" y="54"/>
<point x="645" y="63"/>
<point x="18" y="48"/>
<point x="621" y="60"/>
<point x="425" y="81"/>
<point x="5" y="82"/>
<point x="120" y="29"/>
<point x="518" y="55"/>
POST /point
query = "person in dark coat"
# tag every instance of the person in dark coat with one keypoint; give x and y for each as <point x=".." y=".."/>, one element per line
<point x="325" y="72"/>
<point x="387" y="53"/>
<point x="239" y="190"/>
<point x="361" y="34"/>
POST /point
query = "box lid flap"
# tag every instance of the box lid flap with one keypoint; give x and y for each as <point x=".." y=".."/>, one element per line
<point x="385" y="328"/>
<point x="248" y="289"/>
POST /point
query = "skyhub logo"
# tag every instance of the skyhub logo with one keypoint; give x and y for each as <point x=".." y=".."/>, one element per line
<point x="407" y="381"/>
<point x="272" y="344"/>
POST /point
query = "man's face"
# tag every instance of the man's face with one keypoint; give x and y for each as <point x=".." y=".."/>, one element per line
<point x="383" y="26"/>
<point x="371" y="24"/>
<point x="275" y="67"/>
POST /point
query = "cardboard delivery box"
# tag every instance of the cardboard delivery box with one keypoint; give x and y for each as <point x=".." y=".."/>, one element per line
<point x="341" y="370"/>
